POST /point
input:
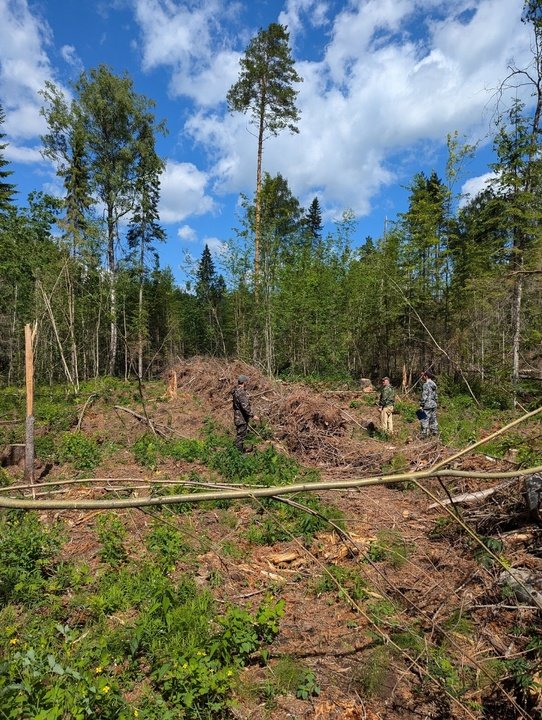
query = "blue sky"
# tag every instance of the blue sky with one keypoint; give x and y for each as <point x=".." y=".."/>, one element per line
<point x="385" y="81"/>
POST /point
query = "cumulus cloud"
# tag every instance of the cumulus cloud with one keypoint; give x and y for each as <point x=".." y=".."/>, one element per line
<point x="24" y="68"/>
<point x="187" y="233"/>
<point x="183" y="192"/>
<point x="394" y="74"/>
<point x="387" y="77"/>
<point x="300" y="14"/>
<point x="190" y="41"/>
<point x="475" y="185"/>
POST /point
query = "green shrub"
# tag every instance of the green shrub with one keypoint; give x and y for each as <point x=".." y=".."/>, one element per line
<point x="389" y="545"/>
<point x="56" y="415"/>
<point x="166" y="543"/>
<point x="45" y="448"/>
<point x="351" y="580"/>
<point x="27" y="556"/>
<point x="369" y="677"/>
<point x="79" y="450"/>
<point x="147" y="450"/>
<point x="186" y="449"/>
<point x="407" y="410"/>
<point x="39" y="684"/>
<point x="5" y="478"/>
<point x="111" y="533"/>
<point x="291" y="676"/>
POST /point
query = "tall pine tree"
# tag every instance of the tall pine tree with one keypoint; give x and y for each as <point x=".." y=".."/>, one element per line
<point x="265" y="90"/>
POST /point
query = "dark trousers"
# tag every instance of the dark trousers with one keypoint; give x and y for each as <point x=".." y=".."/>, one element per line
<point x="241" y="433"/>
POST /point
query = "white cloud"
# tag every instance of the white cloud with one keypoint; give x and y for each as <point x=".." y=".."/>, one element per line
<point x="386" y="82"/>
<point x="298" y="15"/>
<point x="69" y="55"/>
<point x="475" y="185"/>
<point x="24" y="68"/>
<point x="216" y="246"/>
<point x="183" y="192"/>
<point x="392" y="75"/>
<point x="190" y="41"/>
<point x="209" y="86"/>
<point x="23" y="154"/>
<point x="187" y="233"/>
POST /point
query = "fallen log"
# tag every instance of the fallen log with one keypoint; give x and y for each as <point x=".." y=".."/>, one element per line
<point x="472" y="496"/>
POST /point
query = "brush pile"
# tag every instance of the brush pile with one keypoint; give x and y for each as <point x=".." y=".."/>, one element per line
<point x="302" y="420"/>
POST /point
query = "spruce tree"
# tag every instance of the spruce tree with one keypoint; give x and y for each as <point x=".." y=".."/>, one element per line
<point x="7" y="189"/>
<point x="313" y="222"/>
<point x="144" y="228"/>
<point x="210" y="293"/>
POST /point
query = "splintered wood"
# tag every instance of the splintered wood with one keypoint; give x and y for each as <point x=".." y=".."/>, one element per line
<point x="171" y="391"/>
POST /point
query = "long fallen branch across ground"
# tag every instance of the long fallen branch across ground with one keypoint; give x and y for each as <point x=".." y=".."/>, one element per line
<point x="437" y="471"/>
<point x="251" y="492"/>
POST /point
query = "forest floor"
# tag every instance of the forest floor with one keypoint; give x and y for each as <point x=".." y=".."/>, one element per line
<point x="403" y="616"/>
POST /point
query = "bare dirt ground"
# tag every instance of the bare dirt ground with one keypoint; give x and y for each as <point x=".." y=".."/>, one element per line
<point x="438" y="582"/>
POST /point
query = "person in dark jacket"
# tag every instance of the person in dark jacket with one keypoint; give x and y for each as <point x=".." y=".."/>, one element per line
<point x="428" y="405"/>
<point x="242" y="412"/>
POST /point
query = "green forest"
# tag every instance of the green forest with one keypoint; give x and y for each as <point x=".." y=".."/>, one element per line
<point x="453" y="283"/>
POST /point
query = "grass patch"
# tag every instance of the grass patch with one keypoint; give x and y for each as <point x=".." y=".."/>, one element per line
<point x="389" y="546"/>
<point x="350" y="580"/>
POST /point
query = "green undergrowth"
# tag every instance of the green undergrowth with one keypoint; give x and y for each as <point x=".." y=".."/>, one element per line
<point x="276" y="522"/>
<point x="127" y="641"/>
<point x="217" y="453"/>
<point x="57" y="408"/>
<point x="288" y="675"/>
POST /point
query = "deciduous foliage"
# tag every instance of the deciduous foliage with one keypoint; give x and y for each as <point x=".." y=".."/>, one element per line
<point x="98" y="143"/>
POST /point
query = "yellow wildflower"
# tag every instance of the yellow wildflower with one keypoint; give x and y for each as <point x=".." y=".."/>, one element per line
<point x="98" y="670"/>
<point x="106" y="689"/>
<point x="14" y="641"/>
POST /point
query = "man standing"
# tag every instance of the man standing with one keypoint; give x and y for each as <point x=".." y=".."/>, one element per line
<point x="385" y="404"/>
<point x="428" y="405"/>
<point x="242" y="412"/>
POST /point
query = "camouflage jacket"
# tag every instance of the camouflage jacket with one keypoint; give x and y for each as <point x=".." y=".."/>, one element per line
<point x="242" y="411"/>
<point x="387" y="396"/>
<point x="429" y="398"/>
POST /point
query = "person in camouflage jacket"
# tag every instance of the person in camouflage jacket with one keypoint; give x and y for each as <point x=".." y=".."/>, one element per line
<point x="385" y="404"/>
<point x="242" y="412"/>
<point x="428" y="405"/>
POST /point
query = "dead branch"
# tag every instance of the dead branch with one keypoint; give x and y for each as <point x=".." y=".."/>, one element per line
<point x="471" y="497"/>
<point x="156" y="428"/>
<point x="82" y="413"/>
<point x="270" y="492"/>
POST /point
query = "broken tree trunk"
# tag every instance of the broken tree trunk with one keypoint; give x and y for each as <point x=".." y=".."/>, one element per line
<point x="29" y="335"/>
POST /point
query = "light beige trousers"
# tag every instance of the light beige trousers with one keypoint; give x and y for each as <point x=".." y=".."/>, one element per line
<point x="386" y="419"/>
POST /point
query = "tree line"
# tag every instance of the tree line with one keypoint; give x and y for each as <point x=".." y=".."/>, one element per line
<point x="452" y="283"/>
